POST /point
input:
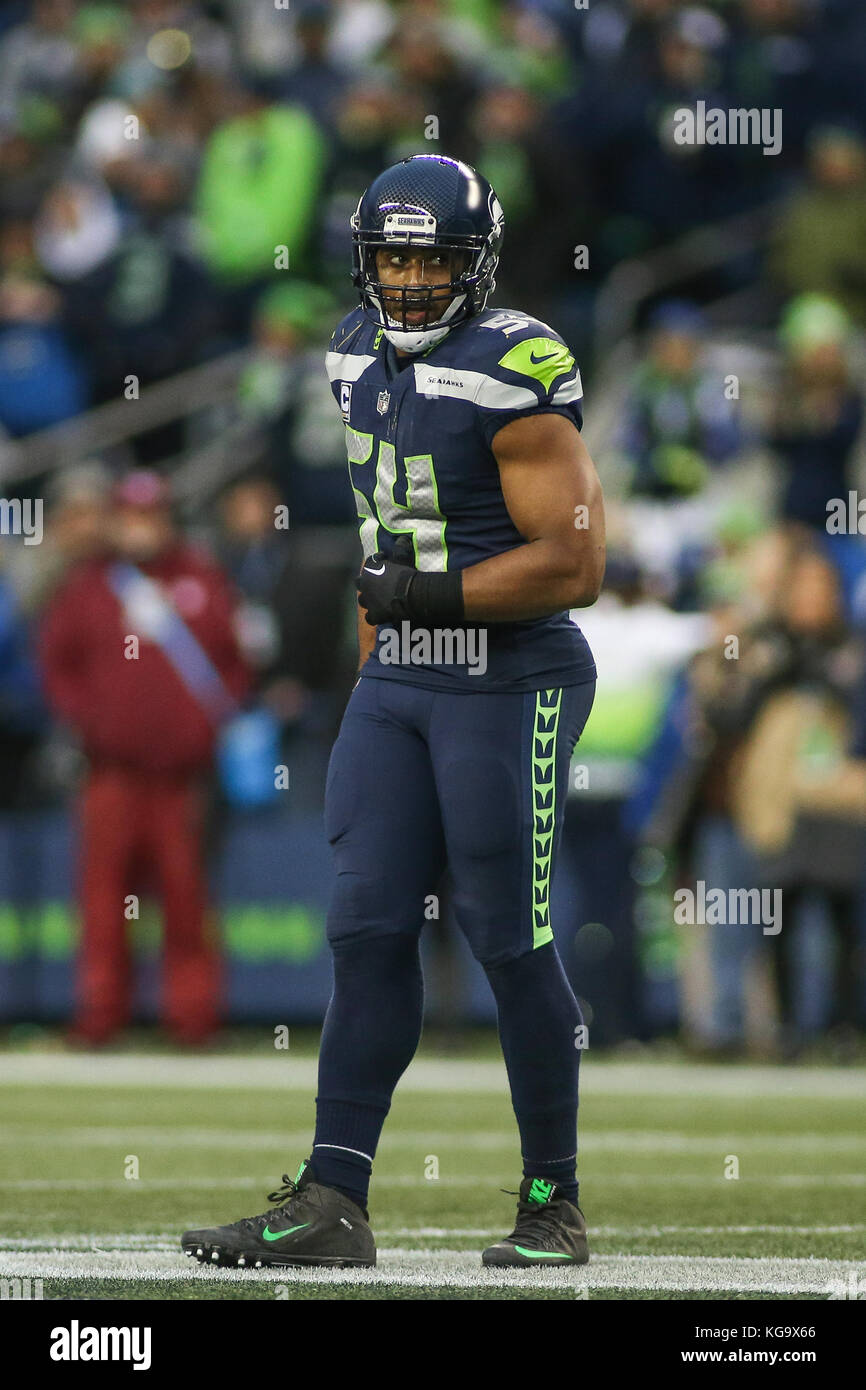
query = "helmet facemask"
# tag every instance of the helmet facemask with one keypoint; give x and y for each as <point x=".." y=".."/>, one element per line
<point x="389" y="305"/>
<point x="440" y="306"/>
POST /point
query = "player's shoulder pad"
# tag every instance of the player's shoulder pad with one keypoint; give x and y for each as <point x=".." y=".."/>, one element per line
<point x="350" y="348"/>
<point x="523" y="361"/>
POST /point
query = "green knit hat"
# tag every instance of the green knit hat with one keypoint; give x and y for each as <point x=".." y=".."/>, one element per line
<point x="813" y="320"/>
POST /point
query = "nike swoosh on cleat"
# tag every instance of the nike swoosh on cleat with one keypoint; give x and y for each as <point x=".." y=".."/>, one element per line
<point x="367" y="570"/>
<point x="268" y="1234"/>
<point x="541" y="1254"/>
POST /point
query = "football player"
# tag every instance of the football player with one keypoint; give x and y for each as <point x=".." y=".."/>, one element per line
<point x="481" y="522"/>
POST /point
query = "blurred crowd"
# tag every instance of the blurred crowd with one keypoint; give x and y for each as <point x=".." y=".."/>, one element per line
<point x="176" y="181"/>
<point x="728" y="743"/>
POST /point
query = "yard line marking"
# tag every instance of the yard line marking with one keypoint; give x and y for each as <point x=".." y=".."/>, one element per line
<point x="462" y="1269"/>
<point x="458" y="1180"/>
<point x="625" y="1141"/>
<point x="427" y="1074"/>
<point x="105" y="1241"/>
<point x="642" y="1232"/>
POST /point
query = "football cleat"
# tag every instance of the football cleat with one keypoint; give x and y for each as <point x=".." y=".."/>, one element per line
<point x="549" y="1230"/>
<point x="309" y="1224"/>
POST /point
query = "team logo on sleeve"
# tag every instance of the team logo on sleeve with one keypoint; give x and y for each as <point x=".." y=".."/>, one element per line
<point x="346" y="399"/>
<point x="542" y="358"/>
<point x="383" y="401"/>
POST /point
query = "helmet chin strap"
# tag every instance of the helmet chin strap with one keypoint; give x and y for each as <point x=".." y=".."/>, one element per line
<point x="412" y="342"/>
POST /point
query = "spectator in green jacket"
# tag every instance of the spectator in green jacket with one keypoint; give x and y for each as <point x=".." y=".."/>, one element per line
<point x="261" y="175"/>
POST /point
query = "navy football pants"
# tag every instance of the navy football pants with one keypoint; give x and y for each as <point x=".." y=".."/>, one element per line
<point x="419" y="775"/>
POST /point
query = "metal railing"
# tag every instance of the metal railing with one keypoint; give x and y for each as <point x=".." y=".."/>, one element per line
<point x="643" y="277"/>
<point x="115" y="423"/>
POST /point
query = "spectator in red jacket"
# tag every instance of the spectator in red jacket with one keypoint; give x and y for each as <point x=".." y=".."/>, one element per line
<point x="140" y="658"/>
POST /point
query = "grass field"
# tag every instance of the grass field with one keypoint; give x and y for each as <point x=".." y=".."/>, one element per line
<point x="210" y="1136"/>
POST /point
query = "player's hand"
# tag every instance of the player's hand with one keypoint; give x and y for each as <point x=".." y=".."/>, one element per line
<point x="383" y="584"/>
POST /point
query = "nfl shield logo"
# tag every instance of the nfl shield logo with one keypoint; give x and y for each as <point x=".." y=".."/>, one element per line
<point x="383" y="402"/>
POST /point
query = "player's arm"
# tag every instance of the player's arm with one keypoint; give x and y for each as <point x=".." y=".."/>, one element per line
<point x="554" y="497"/>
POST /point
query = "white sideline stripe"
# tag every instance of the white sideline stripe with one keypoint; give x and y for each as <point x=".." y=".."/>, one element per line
<point x="599" y="1180"/>
<point x="427" y="1074"/>
<point x="112" y="1241"/>
<point x="462" y="1269"/>
<point x="591" y="1141"/>
<point x="605" y="1232"/>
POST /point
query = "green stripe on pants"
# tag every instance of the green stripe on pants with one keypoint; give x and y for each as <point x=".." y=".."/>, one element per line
<point x="547" y="704"/>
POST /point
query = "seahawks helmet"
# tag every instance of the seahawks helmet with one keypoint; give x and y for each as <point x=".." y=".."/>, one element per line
<point x="427" y="200"/>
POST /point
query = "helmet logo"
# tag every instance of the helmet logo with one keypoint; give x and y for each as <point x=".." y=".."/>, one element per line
<point x="419" y="226"/>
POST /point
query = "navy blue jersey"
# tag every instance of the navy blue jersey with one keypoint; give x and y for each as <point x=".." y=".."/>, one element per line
<point x="418" y="437"/>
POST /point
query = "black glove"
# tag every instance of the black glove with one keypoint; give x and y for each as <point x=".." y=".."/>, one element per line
<point x="384" y="584"/>
<point x="392" y="589"/>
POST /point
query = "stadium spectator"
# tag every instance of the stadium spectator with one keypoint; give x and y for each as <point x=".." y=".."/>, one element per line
<point x="296" y="585"/>
<point x="74" y="531"/>
<point x="78" y="228"/>
<point x="261" y="174"/>
<point x="285" y="393"/>
<point x="819" y="242"/>
<point x="694" y="815"/>
<point x="641" y="645"/>
<point x="819" y="413"/>
<point x="778" y="59"/>
<point x="140" y="657"/>
<point x="678" y="423"/>
<point x="434" y="78"/>
<point x="735" y="805"/>
<point x="800" y="714"/>
<point x="652" y="188"/>
<point x="39" y="60"/>
<point x="41" y="380"/>
<point x="148" y="308"/>
<point x="315" y="81"/>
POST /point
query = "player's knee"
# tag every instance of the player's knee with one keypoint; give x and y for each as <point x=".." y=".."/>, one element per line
<point x="491" y="923"/>
<point x="362" y="904"/>
<point x="511" y="970"/>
